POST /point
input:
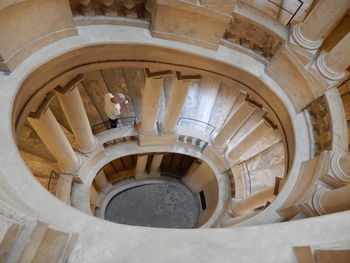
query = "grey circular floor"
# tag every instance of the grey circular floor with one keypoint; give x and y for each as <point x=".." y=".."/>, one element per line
<point x="168" y="204"/>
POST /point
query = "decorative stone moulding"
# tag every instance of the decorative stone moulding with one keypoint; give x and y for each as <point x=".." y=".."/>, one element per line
<point x="303" y="41"/>
<point x="243" y="32"/>
<point x="326" y="71"/>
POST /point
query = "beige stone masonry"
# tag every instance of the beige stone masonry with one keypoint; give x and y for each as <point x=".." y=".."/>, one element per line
<point x="189" y="23"/>
<point x="24" y="17"/>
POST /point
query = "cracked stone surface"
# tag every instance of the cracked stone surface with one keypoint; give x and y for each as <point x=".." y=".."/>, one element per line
<point x="165" y="205"/>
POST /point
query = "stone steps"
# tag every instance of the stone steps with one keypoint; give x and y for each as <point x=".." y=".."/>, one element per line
<point x="24" y="239"/>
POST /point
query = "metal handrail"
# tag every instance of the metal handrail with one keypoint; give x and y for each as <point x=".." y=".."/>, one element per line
<point x="250" y="180"/>
<point x="106" y="123"/>
<point x="195" y="120"/>
<point x="289" y="12"/>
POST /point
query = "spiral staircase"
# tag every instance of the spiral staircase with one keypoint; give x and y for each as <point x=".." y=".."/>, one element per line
<point x="243" y="103"/>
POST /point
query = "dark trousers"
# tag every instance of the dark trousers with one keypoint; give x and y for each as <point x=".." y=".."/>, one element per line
<point x="114" y="123"/>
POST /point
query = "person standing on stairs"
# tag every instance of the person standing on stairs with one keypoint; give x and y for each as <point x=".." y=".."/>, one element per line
<point x="114" y="107"/>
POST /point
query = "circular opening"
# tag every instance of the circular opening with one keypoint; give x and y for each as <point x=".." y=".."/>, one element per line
<point x="167" y="205"/>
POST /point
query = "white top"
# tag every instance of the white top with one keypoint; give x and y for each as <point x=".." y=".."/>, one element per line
<point x="111" y="109"/>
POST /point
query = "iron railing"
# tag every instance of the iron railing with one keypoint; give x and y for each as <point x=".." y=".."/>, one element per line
<point x="122" y="122"/>
<point x="199" y="123"/>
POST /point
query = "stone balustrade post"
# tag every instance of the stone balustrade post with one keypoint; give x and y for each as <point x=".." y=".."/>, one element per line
<point x="176" y="102"/>
<point x="101" y="182"/>
<point x="74" y="110"/>
<point x="141" y="164"/>
<point x="48" y="129"/>
<point x="319" y="23"/>
<point x="155" y="164"/>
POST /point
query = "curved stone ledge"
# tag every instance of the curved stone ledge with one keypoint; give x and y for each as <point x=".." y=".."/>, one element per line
<point x="23" y="187"/>
<point x="90" y="167"/>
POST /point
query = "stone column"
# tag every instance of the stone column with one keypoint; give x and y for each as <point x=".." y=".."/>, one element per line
<point x="232" y="125"/>
<point x="261" y="129"/>
<point x="332" y="201"/>
<point x="101" y="181"/>
<point x="319" y="23"/>
<point x="141" y="164"/>
<point x="259" y="199"/>
<point x="339" y="169"/>
<point x="73" y="108"/>
<point x="46" y="126"/>
<point x="150" y="100"/>
<point x="176" y="102"/>
<point x="156" y="162"/>
<point x="333" y="65"/>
